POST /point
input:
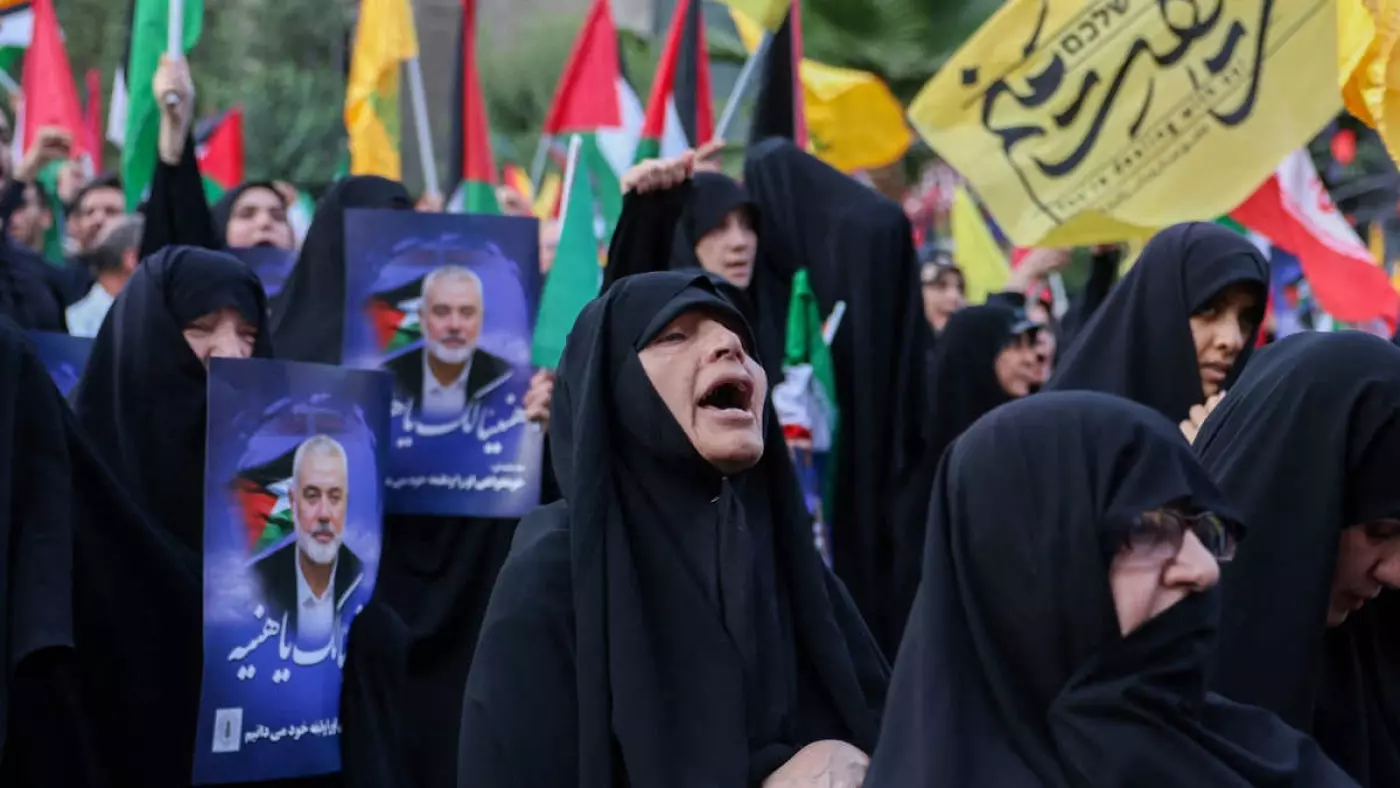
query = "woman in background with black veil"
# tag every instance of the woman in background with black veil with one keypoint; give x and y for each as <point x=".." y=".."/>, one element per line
<point x="112" y="600"/>
<point x="985" y="357"/>
<point x="1061" y="633"/>
<point x="1307" y="446"/>
<point x="668" y="622"/>
<point x="1178" y="328"/>
<point x="858" y="249"/>
<point x="143" y="394"/>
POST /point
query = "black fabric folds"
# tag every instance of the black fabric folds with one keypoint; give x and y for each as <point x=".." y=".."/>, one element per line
<point x="177" y="212"/>
<point x="1306" y="444"/>
<point x="1138" y="344"/>
<point x="1013" y="672"/>
<point x="858" y="248"/>
<point x="114" y="603"/>
<point x="662" y="625"/>
<point x="142" y="397"/>
<point x="308" y="316"/>
<point x="964" y="388"/>
<point x="29" y="294"/>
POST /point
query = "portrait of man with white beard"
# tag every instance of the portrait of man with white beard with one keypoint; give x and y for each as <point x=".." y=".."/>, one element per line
<point x="449" y="372"/>
<point x="307" y="583"/>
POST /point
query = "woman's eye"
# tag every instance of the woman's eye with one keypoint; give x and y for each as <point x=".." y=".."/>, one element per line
<point x="673" y="336"/>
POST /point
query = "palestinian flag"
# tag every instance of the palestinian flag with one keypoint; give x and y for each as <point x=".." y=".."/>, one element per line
<point x="594" y="100"/>
<point x="394" y="315"/>
<point x="680" y="111"/>
<point x="780" y="111"/>
<point x="16" y="31"/>
<point x="219" y="151"/>
<point x="576" y="276"/>
<point x="262" y="494"/>
<point x="471" y="164"/>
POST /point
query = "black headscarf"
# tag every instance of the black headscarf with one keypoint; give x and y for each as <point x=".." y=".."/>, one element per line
<point x="28" y="294"/>
<point x="1138" y="345"/>
<point x="658" y="231"/>
<point x="964" y="387"/>
<point x="1013" y="673"/>
<point x="222" y="211"/>
<point x="857" y="247"/>
<point x="142" y="397"/>
<point x="771" y="655"/>
<point x="1307" y="443"/>
<point x="102" y="655"/>
<point x="308" y="316"/>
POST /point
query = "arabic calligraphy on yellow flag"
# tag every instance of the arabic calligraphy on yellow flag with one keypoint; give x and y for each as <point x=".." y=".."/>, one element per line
<point x="384" y="39"/>
<point x="1090" y="122"/>
<point x="1368" y="63"/>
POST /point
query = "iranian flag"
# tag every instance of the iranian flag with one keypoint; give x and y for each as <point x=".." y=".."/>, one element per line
<point x="1294" y="211"/>
<point x="261" y="491"/>
<point x="680" y="111"/>
<point x="394" y="315"/>
<point x="470" y="164"/>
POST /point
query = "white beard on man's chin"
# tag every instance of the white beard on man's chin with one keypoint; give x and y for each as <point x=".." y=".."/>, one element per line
<point x="448" y="355"/>
<point x="318" y="553"/>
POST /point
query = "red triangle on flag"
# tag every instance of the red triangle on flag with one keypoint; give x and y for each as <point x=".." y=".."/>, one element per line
<point x="586" y="98"/>
<point x="220" y="153"/>
<point x="51" y="96"/>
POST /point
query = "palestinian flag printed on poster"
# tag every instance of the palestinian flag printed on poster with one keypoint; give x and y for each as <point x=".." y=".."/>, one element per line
<point x="394" y="315"/>
<point x="263" y="497"/>
<point x="680" y="113"/>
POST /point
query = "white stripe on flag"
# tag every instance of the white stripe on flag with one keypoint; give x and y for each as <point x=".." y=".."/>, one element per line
<point x="673" y="139"/>
<point x="619" y="145"/>
<point x="17" y="27"/>
<point x="116" y="109"/>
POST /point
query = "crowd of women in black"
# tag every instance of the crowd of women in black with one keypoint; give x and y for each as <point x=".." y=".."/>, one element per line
<point x="1160" y="559"/>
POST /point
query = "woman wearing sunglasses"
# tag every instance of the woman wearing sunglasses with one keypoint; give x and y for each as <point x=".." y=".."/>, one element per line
<point x="1307" y="447"/>
<point x="1067" y="612"/>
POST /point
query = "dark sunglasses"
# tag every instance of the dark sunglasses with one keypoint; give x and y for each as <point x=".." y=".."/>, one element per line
<point x="1157" y="535"/>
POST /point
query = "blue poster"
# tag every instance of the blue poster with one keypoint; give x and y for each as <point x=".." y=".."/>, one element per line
<point x="292" y="530"/>
<point x="272" y="265"/>
<point x="446" y="303"/>
<point x="64" y="356"/>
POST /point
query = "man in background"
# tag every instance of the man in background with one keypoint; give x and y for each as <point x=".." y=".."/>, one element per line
<point x="111" y="260"/>
<point x="449" y="371"/>
<point x="94" y="206"/>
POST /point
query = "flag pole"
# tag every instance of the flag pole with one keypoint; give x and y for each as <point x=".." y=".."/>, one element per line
<point x="174" y="43"/>
<point x="8" y="83"/>
<point x="541" y="159"/>
<point x="741" y="85"/>
<point x="420" y="125"/>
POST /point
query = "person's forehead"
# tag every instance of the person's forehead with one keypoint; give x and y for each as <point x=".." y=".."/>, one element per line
<point x="452" y="288"/>
<point x="258" y="196"/>
<point x="101" y="196"/>
<point x="323" y="464"/>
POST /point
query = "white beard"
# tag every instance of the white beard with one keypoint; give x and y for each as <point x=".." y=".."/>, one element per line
<point x="448" y="355"/>
<point x="321" y="554"/>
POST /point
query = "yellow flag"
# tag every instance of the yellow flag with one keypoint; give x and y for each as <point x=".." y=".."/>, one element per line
<point x="549" y="195"/>
<point x="765" y="13"/>
<point x="854" y="122"/>
<point x="1368" y="64"/>
<point x="975" y="249"/>
<point x="384" y="39"/>
<point x="1090" y="121"/>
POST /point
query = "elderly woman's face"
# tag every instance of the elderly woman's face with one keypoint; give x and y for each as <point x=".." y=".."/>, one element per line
<point x="715" y="390"/>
